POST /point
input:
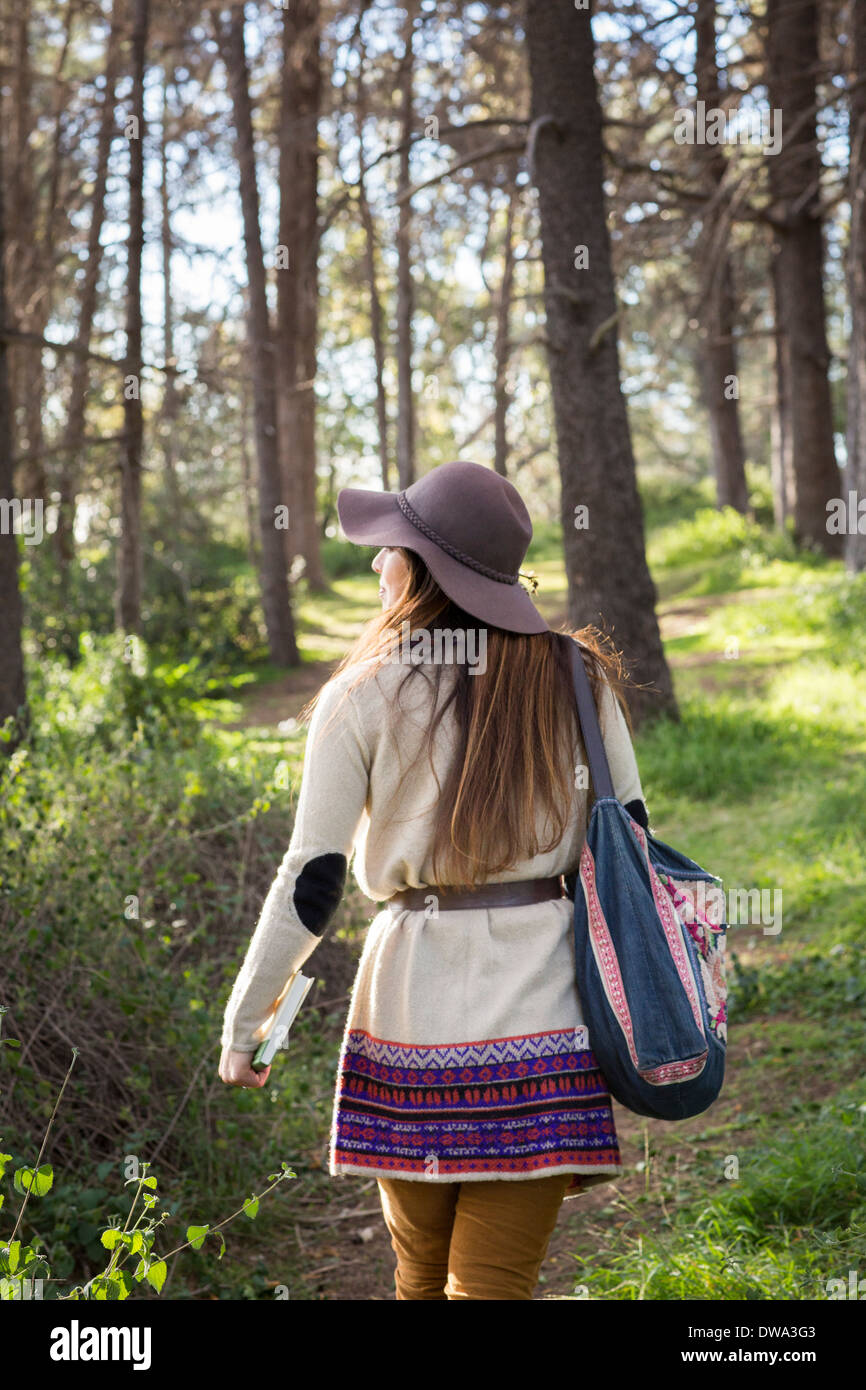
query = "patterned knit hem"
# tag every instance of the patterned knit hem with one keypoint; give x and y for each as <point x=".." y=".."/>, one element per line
<point x="511" y="1107"/>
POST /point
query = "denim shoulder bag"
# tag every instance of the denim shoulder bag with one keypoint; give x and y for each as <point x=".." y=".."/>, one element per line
<point x="649" y="936"/>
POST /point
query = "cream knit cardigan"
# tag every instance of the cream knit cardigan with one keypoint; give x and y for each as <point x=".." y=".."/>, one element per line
<point x="357" y="797"/>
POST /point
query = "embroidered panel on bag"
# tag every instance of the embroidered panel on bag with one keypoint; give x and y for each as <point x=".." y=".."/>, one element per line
<point x="604" y="951"/>
<point x="672" y="927"/>
<point x="709" y="938"/>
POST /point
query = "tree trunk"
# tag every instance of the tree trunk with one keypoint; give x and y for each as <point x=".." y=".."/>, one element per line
<point x="608" y="578"/>
<point x="13" y="694"/>
<point x="717" y="352"/>
<point x="249" y="485"/>
<point x="274" y="581"/>
<point x="502" y="344"/>
<point x="24" y="291"/>
<point x="128" y="599"/>
<point x="405" y="295"/>
<point x="297" y="284"/>
<point x="287" y="319"/>
<point x="50" y="230"/>
<point x="370" y="259"/>
<point x="170" y="398"/>
<point x="792" y="63"/>
<point x="80" y="372"/>
<point x="855" y="543"/>
<point x="781" y="465"/>
<point x="376" y="333"/>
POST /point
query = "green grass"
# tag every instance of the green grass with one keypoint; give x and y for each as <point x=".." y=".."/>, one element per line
<point x="774" y="1222"/>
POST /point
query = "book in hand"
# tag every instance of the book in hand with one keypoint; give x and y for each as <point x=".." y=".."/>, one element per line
<point x="290" y="1002"/>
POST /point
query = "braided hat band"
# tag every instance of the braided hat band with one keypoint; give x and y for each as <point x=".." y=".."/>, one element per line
<point x="501" y="576"/>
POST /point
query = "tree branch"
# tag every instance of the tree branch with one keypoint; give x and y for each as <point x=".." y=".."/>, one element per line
<point x="486" y="152"/>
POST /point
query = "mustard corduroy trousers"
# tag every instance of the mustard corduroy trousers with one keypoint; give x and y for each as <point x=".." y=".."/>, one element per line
<point x="470" y="1240"/>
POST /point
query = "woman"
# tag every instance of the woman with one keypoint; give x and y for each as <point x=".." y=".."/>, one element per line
<point x="466" y="1082"/>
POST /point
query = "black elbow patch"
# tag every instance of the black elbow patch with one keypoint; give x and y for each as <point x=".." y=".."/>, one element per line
<point x="637" y="811"/>
<point x="318" y="890"/>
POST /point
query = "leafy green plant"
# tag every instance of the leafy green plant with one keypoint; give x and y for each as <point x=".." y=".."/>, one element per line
<point x="132" y="1256"/>
<point x="712" y="532"/>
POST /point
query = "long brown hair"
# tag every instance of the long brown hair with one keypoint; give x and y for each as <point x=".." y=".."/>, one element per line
<point x="510" y="719"/>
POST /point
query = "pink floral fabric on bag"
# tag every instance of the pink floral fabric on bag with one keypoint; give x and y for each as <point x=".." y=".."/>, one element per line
<point x="709" y="938"/>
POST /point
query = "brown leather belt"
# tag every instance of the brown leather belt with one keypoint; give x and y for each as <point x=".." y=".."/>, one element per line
<point x="516" y="894"/>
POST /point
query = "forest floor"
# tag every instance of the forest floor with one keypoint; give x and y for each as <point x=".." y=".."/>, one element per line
<point x="339" y="1245"/>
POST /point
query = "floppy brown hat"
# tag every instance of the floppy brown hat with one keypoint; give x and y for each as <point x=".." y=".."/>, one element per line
<point x="471" y="528"/>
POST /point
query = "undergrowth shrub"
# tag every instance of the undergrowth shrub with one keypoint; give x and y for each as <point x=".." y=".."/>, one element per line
<point x="135" y="852"/>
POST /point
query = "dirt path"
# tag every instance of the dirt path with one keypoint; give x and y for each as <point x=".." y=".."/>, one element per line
<point x="266" y="706"/>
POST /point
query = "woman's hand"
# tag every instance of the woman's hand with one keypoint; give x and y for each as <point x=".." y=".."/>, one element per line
<point x="235" y="1069"/>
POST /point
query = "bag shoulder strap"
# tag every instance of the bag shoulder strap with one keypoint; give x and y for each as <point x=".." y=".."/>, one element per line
<point x="590" y="728"/>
